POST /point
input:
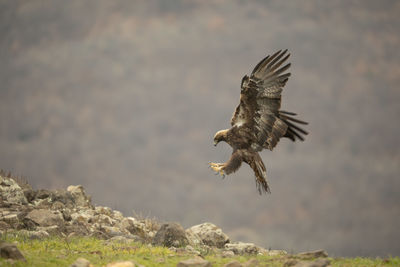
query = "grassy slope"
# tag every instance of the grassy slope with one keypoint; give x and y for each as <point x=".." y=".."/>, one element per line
<point x="56" y="251"/>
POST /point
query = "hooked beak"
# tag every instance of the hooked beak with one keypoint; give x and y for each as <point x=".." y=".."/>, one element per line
<point x="215" y="143"/>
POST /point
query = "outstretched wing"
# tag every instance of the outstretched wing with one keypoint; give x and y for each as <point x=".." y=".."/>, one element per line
<point x="260" y="101"/>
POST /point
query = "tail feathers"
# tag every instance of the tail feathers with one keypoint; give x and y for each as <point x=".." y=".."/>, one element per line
<point x="261" y="175"/>
<point x="294" y="132"/>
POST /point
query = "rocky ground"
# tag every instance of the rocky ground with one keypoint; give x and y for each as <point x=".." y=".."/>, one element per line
<point x="38" y="214"/>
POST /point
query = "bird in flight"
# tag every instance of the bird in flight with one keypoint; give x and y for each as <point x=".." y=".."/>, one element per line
<point x="258" y="123"/>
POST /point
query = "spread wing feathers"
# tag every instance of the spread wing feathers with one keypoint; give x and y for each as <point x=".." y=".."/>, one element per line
<point x="267" y="79"/>
<point x="260" y="101"/>
<point x="293" y="132"/>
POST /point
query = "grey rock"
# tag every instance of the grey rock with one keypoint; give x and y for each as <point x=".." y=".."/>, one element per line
<point x="79" y="195"/>
<point x="110" y="231"/>
<point x="63" y="196"/>
<point x="195" y="262"/>
<point x="42" y="194"/>
<point x="276" y="252"/>
<point x="10" y="251"/>
<point x="313" y="254"/>
<point x="4" y="226"/>
<point x="58" y="206"/>
<point x="117" y="215"/>
<point x="227" y="254"/>
<point x="11" y="192"/>
<point x="233" y="264"/>
<point x="103" y="220"/>
<point x="209" y="234"/>
<point x="240" y="248"/>
<point x="10" y="217"/>
<point x="194" y="239"/>
<point x="76" y="229"/>
<point x="134" y="227"/>
<point x="52" y="230"/>
<point x="170" y="234"/>
<point x="81" y="262"/>
<point x="44" y="217"/>
<point x="83" y="216"/>
<point x="103" y="210"/>
<point x="41" y="234"/>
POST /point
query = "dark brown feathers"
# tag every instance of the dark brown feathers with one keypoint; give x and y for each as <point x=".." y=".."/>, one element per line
<point x="258" y="123"/>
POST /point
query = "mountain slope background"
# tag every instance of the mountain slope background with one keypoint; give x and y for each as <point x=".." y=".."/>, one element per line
<point x="125" y="97"/>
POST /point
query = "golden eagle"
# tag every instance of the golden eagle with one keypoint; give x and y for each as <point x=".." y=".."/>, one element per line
<point x="258" y="122"/>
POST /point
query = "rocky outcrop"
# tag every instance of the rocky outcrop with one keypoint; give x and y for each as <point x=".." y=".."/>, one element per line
<point x="40" y="213"/>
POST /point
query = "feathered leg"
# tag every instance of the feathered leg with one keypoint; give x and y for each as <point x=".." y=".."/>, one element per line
<point x="232" y="165"/>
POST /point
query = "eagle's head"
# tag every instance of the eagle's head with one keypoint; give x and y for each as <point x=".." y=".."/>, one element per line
<point x="220" y="136"/>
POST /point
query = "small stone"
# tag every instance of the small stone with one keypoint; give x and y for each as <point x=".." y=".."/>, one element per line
<point x="11" y="218"/>
<point x="170" y="234"/>
<point x="227" y="254"/>
<point x="81" y="262"/>
<point x="276" y="252"/>
<point x="121" y="264"/>
<point x="233" y="264"/>
<point x="10" y="251"/>
<point x="240" y="248"/>
<point x="111" y="231"/>
<point x="52" y="230"/>
<point x="34" y="234"/>
<point x="195" y="262"/>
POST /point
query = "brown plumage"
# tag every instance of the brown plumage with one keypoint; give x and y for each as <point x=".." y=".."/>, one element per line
<point x="258" y="123"/>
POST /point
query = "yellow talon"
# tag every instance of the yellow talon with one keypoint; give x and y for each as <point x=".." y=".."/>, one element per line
<point x="218" y="168"/>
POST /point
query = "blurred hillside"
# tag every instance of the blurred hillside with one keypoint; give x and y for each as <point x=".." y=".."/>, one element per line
<point x="124" y="98"/>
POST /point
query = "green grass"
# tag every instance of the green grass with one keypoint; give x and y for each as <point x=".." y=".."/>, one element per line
<point x="59" y="251"/>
